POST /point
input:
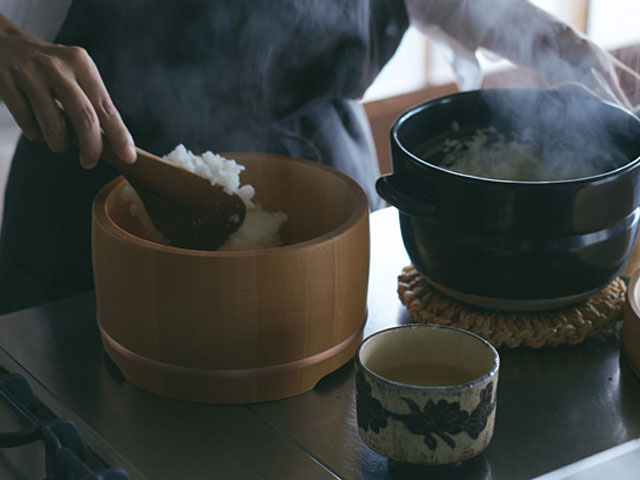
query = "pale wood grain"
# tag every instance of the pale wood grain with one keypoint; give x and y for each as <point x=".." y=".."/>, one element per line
<point x="296" y="310"/>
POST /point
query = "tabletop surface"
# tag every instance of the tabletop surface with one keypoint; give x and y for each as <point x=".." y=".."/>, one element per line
<point x="556" y="405"/>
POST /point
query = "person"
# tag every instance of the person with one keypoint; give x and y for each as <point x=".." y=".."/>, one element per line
<point x="250" y="75"/>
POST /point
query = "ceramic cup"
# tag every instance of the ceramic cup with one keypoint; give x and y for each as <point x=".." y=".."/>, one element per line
<point x="426" y="394"/>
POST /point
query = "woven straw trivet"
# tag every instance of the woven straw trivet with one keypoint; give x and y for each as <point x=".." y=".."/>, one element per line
<point x="568" y="325"/>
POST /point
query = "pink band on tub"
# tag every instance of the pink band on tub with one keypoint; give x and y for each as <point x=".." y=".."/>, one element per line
<point x="228" y="372"/>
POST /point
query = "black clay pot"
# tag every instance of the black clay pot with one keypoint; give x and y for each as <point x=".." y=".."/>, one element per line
<point x="517" y="244"/>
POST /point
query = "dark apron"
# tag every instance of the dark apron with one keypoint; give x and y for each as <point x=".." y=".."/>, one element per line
<point x="244" y="75"/>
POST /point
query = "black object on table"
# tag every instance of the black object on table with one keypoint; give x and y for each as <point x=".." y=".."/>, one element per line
<point x="67" y="456"/>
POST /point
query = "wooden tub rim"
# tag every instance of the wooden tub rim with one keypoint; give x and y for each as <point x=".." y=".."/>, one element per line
<point x="360" y="208"/>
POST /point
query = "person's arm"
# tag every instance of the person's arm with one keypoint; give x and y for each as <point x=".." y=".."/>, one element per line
<point x="526" y="35"/>
<point x="37" y="78"/>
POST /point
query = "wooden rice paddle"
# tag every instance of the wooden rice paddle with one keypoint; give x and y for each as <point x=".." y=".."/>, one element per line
<point x="183" y="206"/>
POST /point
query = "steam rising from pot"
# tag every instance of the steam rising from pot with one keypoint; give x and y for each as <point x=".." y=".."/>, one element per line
<point x="516" y="134"/>
<point x="240" y="64"/>
<point x="247" y="55"/>
<point x="560" y="130"/>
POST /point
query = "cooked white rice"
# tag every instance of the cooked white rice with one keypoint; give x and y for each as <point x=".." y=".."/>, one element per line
<point x="489" y="154"/>
<point x="260" y="229"/>
<point x="215" y="168"/>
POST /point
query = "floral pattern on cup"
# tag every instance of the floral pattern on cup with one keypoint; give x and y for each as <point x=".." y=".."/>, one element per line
<point x="371" y="414"/>
<point x="406" y="408"/>
<point x="442" y="418"/>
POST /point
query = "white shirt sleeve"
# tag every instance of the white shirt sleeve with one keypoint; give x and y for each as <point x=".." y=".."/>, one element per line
<point x="40" y="18"/>
<point x="459" y="26"/>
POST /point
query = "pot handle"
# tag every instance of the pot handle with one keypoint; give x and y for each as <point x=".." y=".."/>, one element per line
<point x="405" y="197"/>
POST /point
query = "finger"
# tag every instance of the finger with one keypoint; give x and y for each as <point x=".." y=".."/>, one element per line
<point x="623" y="68"/>
<point x="111" y="122"/>
<point x="629" y="80"/>
<point x="20" y="109"/>
<point x="617" y="90"/>
<point x="47" y="113"/>
<point x="114" y="128"/>
<point x="84" y="119"/>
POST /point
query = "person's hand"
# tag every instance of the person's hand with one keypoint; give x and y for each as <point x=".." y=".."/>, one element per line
<point x="573" y="57"/>
<point x="530" y="37"/>
<point x="42" y="83"/>
<point x="629" y="80"/>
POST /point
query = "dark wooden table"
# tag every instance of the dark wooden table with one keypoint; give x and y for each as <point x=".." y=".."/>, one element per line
<point x="555" y="405"/>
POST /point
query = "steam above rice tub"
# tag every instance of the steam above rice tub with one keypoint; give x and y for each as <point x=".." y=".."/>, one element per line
<point x="490" y="154"/>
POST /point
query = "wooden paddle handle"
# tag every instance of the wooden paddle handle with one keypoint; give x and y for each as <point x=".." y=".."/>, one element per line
<point x="148" y="170"/>
<point x="110" y="156"/>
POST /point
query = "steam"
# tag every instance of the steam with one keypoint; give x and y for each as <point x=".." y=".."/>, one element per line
<point x="177" y="64"/>
<point x="528" y="135"/>
<point x="247" y="75"/>
<point x="627" y="64"/>
<point x="572" y="117"/>
<point x="529" y="36"/>
<point x="172" y="66"/>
